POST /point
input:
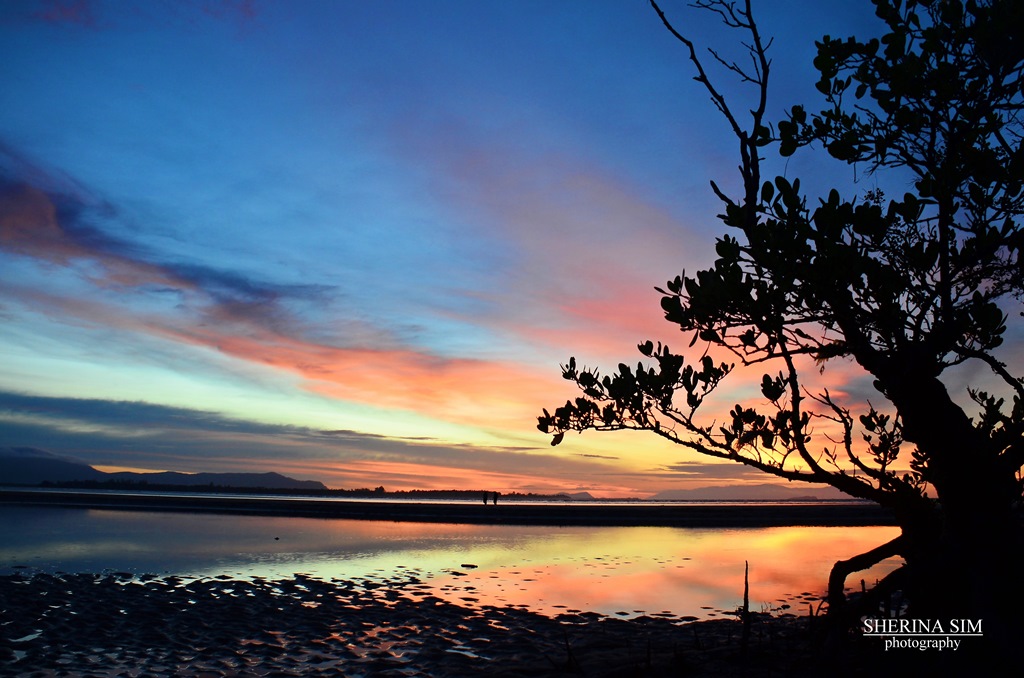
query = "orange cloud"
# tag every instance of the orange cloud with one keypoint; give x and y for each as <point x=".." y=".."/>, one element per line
<point x="479" y="392"/>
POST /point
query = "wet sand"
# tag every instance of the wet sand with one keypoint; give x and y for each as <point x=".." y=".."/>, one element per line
<point x="522" y="513"/>
<point x="120" y="625"/>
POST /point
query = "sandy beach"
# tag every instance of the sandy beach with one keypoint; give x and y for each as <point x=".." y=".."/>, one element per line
<point x="634" y="514"/>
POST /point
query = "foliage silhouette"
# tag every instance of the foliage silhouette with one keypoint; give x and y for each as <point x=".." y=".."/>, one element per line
<point x="905" y="289"/>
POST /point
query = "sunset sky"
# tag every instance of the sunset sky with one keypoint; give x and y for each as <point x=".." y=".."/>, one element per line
<point x="353" y="241"/>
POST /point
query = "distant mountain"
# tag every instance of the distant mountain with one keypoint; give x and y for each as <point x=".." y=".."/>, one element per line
<point x="763" y="492"/>
<point x="32" y="466"/>
<point x="250" y="480"/>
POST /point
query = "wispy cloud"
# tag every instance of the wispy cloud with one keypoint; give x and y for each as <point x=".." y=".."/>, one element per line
<point x="582" y="246"/>
<point x="706" y="471"/>
<point x="41" y="221"/>
<point x="252" y="319"/>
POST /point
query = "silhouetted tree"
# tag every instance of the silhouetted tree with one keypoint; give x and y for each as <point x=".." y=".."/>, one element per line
<point x="905" y="288"/>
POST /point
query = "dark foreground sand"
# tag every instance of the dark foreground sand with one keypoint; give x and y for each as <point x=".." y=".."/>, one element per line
<point x="119" y="625"/>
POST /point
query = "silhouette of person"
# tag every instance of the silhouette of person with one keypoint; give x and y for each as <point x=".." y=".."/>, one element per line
<point x="496" y="498"/>
<point x="485" y="498"/>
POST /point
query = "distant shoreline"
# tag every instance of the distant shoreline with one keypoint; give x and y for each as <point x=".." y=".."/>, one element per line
<point x="580" y="513"/>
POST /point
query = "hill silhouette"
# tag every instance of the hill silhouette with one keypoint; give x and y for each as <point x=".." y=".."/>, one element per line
<point x="29" y="466"/>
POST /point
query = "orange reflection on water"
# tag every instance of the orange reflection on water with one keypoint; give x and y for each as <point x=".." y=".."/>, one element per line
<point x="609" y="570"/>
<point x="684" y="571"/>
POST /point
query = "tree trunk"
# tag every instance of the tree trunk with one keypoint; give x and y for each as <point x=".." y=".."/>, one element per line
<point x="964" y="553"/>
<point x="967" y="566"/>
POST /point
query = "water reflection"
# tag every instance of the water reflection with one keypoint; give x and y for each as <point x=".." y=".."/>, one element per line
<point x="627" y="570"/>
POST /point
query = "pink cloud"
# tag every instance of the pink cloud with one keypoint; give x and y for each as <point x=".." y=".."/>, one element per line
<point x="29" y="226"/>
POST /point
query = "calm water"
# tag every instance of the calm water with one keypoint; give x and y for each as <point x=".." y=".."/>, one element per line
<point x="610" y="570"/>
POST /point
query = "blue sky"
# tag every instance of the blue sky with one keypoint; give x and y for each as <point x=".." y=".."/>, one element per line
<point x="353" y="241"/>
